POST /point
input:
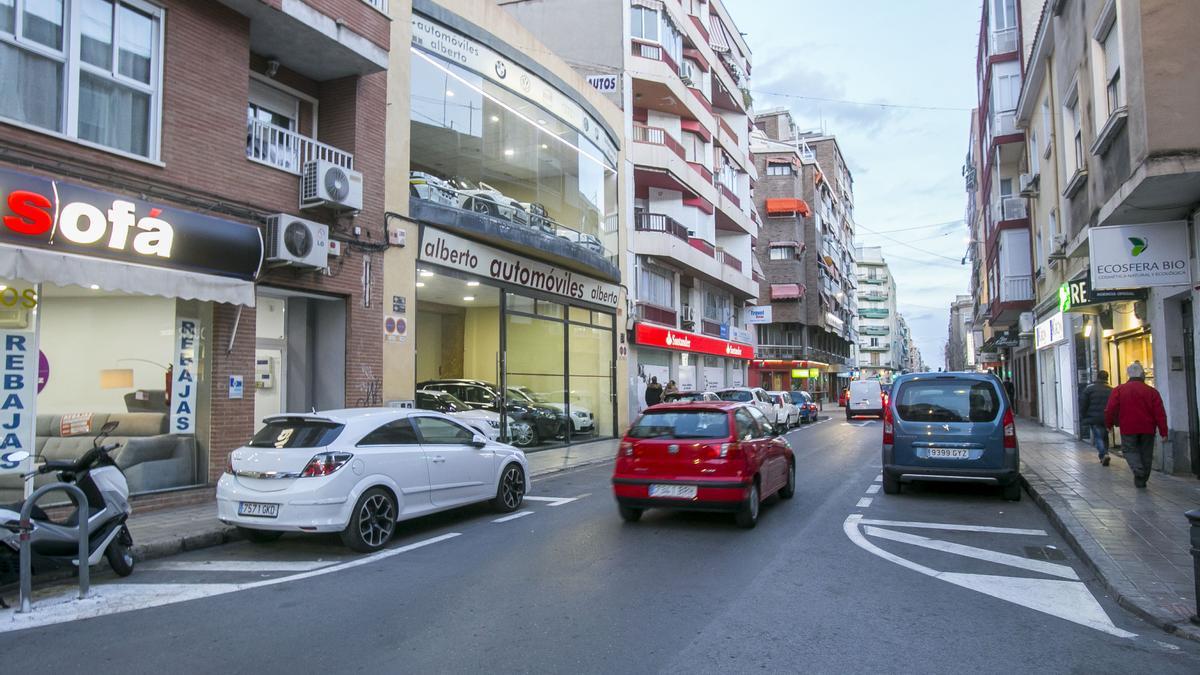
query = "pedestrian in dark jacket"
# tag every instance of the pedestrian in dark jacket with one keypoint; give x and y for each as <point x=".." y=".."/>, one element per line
<point x="1137" y="408"/>
<point x="1092" y="403"/>
<point x="654" y="391"/>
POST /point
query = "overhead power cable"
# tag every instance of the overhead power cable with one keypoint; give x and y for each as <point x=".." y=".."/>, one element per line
<point x="877" y="104"/>
<point x="904" y="243"/>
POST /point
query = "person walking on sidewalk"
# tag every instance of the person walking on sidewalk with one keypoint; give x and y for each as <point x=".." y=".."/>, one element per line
<point x="654" y="391"/>
<point x="1137" y="408"/>
<point x="1092" y="404"/>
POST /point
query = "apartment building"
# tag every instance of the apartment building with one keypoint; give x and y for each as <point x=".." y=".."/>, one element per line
<point x="880" y="337"/>
<point x="680" y="72"/>
<point x="1111" y="175"/>
<point x="806" y="318"/>
<point x="173" y="176"/>
<point x="960" y="351"/>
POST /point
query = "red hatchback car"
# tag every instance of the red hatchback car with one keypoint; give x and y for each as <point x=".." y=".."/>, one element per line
<point x="702" y="456"/>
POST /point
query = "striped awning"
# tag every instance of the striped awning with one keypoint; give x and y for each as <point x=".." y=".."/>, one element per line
<point x="787" y="291"/>
<point x="717" y="38"/>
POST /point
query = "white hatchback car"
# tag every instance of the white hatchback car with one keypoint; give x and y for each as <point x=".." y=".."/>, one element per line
<point x="787" y="414"/>
<point x="755" y="396"/>
<point x="360" y="471"/>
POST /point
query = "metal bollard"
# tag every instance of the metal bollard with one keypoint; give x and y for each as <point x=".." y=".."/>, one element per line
<point x="81" y="504"/>
<point x="1193" y="517"/>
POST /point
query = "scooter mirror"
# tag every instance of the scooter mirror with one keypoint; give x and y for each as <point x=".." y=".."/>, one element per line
<point x="16" y="457"/>
<point x="109" y="427"/>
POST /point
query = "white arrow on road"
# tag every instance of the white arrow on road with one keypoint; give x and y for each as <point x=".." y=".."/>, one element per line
<point x="551" y="501"/>
<point x="1070" y="600"/>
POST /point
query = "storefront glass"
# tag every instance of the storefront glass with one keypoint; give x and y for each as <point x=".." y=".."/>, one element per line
<point x="104" y="356"/>
<point x="478" y="146"/>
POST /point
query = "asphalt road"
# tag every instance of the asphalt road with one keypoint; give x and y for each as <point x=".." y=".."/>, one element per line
<point x="937" y="579"/>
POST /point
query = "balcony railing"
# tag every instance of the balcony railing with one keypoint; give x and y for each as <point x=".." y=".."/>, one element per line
<point x="1011" y="208"/>
<point x="728" y="129"/>
<point x="657" y="222"/>
<point x="1004" y="124"/>
<point x="874" y="330"/>
<point x="655" y="52"/>
<point x="657" y="136"/>
<point x="872" y="313"/>
<point x="289" y="151"/>
<point x="703" y="246"/>
<point x="730" y="195"/>
<point x="1016" y="289"/>
<point x="656" y="314"/>
<point x="798" y="353"/>
<point x="728" y="260"/>
<point x="381" y="5"/>
<point x="873" y="297"/>
<point x="1004" y="41"/>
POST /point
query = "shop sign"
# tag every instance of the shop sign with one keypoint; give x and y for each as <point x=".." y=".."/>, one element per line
<point x="755" y="315"/>
<point x="741" y="335"/>
<point x="448" y="250"/>
<point x="473" y="55"/>
<point x="18" y="392"/>
<point x="806" y="373"/>
<point x="1047" y="333"/>
<point x="1079" y="293"/>
<point x="50" y="214"/>
<point x="1139" y="256"/>
<point x="669" y="338"/>
<point x="605" y="84"/>
<point x="183" y="377"/>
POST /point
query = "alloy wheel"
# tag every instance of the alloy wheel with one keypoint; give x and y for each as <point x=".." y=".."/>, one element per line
<point x="512" y="487"/>
<point x="523" y="434"/>
<point x="376" y="520"/>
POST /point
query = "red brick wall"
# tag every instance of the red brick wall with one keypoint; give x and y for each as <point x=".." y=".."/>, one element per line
<point x="206" y="69"/>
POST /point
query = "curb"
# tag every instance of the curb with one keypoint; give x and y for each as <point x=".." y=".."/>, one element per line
<point x="1090" y="552"/>
<point x="224" y="534"/>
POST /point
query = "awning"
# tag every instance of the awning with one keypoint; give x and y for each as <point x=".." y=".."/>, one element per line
<point x="783" y="207"/>
<point x="64" y="269"/>
<point x="717" y="39"/>
<point x="794" y="244"/>
<point x="787" y="291"/>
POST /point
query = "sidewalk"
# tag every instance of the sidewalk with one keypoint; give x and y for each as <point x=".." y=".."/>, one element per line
<point x="1137" y="541"/>
<point x="164" y="532"/>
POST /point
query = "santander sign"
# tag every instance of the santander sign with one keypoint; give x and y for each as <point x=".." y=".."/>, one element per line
<point x="118" y="227"/>
<point x="651" y="335"/>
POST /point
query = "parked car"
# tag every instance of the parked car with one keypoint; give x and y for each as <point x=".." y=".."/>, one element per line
<point x="866" y="398"/>
<point x="808" y="408"/>
<point x="360" y="471"/>
<point x="950" y="427"/>
<point x="483" y="198"/>
<point x="486" y="421"/>
<point x="755" y="396"/>
<point x="530" y="423"/>
<point x="429" y="187"/>
<point x="787" y="414"/>
<point x="844" y="398"/>
<point x="582" y="419"/>
<point x="703" y="456"/>
<point x="690" y="396"/>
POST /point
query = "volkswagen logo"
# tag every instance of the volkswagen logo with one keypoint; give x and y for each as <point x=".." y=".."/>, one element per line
<point x="673" y="449"/>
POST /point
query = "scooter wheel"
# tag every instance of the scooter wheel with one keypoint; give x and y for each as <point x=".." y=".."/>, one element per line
<point x="119" y="553"/>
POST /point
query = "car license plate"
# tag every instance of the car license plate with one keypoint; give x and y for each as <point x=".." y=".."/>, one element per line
<point x="673" y="491"/>
<point x="949" y="453"/>
<point x="258" y="510"/>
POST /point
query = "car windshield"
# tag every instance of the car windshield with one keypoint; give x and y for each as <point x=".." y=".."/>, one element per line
<point x="681" y="424"/>
<point x="948" y="401"/>
<point x="523" y="394"/>
<point x="685" y="396"/>
<point x="776" y="399"/>
<point x="735" y="395"/>
<point x="798" y="397"/>
<point x="296" y="432"/>
<point x="441" y="402"/>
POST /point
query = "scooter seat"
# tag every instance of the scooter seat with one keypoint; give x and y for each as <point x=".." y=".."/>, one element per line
<point x="37" y="513"/>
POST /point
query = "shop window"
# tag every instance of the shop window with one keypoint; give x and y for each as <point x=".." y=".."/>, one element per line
<point x="479" y="147"/>
<point x="87" y="69"/>
<point x="591" y="380"/>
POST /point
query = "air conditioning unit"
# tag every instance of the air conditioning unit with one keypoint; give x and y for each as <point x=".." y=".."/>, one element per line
<point x="1029" y="184"/>
<point x="327" y="184"/>
<point x="296" y="241"/>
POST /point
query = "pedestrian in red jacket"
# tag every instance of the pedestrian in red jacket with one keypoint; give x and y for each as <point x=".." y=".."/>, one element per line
<point x="1137" y="408"/>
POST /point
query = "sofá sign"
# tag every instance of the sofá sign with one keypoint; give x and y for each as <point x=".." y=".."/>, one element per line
<point x="38" y="212"/>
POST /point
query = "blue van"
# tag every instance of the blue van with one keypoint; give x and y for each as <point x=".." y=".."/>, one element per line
<point x="950" y="427"/>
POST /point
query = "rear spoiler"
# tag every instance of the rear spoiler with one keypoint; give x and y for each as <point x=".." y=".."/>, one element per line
<point x="307" y="417"/>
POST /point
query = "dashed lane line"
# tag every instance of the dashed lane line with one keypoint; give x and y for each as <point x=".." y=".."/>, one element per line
<point x="879" y="478"/>
<point x="518" y="514"/>
<point x="864" y="502"/>
<point x="873" y="488"/>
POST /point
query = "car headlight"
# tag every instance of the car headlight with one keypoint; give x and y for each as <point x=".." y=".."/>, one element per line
<point x="580" y="414"/>
<point x="495" y="424"/>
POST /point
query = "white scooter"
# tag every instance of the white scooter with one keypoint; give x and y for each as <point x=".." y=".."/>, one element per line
<point x="56" y="544"/>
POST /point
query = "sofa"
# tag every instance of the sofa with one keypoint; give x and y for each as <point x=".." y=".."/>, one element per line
<point x="151" y="458"/>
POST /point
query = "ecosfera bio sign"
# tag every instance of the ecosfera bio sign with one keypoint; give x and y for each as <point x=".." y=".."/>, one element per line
<point x="1139" y="256"/>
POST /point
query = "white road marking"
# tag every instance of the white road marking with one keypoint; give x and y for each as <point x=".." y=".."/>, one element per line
<point x="872" y="489"/>
<point x="1053" y="569"/>
<point x="518" y="514"/>
<point x="958" y="528"/>
<point x="864" y="502"/>
<point x="879" y="478"/>
<point x="551" y="501"/>
<point x="119" y="597"/>
<point x="1068" y="600"/>
<point x="237" y="565"/>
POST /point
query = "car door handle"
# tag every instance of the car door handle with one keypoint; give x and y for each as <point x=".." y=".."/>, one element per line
<point x="437" y="459"/>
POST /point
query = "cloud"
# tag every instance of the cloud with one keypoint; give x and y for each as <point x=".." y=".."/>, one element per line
<point x="796" y="83"/>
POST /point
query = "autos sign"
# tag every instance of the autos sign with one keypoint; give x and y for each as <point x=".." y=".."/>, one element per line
<point x="1139" y="256"/>
<point x="651" y="335"/>
<point x="39" y="212"/>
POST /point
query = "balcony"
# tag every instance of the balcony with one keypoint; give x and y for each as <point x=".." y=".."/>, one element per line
<point x="1016" y="289"/>
<point x="1003" y="41"/>
<point x="1015" y="296"/>
<point x="659" y="236"/>
<point x="872" y="313"/>
<point x="1010" y="208"/>
<point x="798" y="353"/>
<point x="657" y="136"/>
<point x="660" y="161"/>
<point x="873" y="348"/>
<point x="1004" y="124"/>
<point x="728" y="259"/>
<point x="873" y="296"/>
<point x="649" y="50"/>
<point x="287" y="150"/>
<point x="657" y="222"/>
<point x="873" y="280"/>
<point x="874" y="330"/>
<point x="655" y="314"/>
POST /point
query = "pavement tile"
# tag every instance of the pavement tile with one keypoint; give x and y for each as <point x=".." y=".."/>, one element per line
<point x="1136" y="540"/>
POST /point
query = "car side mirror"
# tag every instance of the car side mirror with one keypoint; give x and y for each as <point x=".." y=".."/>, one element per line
<point x="478" y="441"/>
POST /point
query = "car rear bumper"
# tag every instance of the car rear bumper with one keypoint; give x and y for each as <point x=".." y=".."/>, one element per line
<point x="711" y="495"/>
<point x="876" y="412"/>
<point x="907" y="474"/>
<point x="300" y="509"/>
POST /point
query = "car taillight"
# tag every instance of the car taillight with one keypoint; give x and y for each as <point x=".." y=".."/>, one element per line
<point x="325" y="463"/>
<point x="889" y="436"/>
<point x="229" y="464"/>
<point x="626" y="448"/>
<point x="1010" y="430"/>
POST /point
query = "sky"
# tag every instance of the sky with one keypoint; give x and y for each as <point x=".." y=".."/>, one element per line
<point x="906" y="162"/>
